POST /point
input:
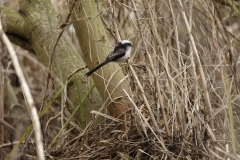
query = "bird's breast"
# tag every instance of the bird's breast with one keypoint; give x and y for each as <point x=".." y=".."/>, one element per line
<point x="125" y="57"/>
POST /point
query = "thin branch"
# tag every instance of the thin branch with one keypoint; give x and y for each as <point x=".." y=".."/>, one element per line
<point x="28" y="97"/>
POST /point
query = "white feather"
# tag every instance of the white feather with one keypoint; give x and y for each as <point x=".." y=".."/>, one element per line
<point x="125" y="41"/>
<point x="125" y="57"/>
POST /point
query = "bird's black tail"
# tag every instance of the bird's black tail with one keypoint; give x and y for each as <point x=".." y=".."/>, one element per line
<point x="96" y="68"/>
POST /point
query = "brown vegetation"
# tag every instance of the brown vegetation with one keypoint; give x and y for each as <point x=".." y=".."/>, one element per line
<point x="183" y="77"/>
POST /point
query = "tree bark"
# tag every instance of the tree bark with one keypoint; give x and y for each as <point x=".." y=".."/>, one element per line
<point x="35" y="27"/>
<point x="110" y="80"/>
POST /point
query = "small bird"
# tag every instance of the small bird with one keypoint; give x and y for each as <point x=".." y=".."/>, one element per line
<point x="120" y="53"/>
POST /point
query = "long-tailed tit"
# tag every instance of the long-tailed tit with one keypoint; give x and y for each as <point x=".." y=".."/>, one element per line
<point x="120" y="53"/>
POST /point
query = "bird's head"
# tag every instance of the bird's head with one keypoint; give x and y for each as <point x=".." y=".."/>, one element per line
<point x="126" y="44"/>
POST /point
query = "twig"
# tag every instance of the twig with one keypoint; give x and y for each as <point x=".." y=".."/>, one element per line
<point x="147" y="105"/>
<point x="63" y="27"/>
<point x="198" y="65"/>
<point x="27" y="94"/>
<point x="155" y="78"/>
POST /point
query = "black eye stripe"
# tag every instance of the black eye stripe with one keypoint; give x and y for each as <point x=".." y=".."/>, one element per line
<point x="120" y="45"/>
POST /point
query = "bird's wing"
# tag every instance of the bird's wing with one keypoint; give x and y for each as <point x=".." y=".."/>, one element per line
<point x="117" y="54"/>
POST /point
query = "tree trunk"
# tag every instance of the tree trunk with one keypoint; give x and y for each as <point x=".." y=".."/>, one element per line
<point x="35" y="28"/>
<point x="94" y="43"/>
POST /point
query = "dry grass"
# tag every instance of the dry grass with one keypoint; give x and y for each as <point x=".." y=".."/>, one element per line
<point x="185" y="83"/>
